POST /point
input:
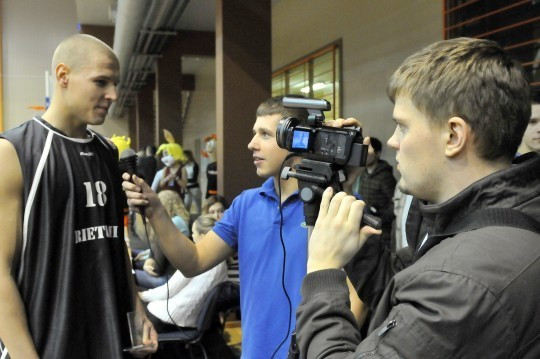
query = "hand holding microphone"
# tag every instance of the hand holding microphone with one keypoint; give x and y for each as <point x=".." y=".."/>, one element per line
<point x="128" y="161"/>
<point x="137" y="191"/>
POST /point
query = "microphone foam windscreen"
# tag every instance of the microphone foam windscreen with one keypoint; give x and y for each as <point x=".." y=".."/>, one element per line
<point x="128" y="161"/>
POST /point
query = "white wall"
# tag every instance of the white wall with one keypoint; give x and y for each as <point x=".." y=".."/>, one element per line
<point x="200" y="119"/>
<point x="31" y="30"/>
<point x="377" y="36"/>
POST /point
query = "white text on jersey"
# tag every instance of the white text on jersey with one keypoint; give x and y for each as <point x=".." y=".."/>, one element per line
<point x="93" y="233"/>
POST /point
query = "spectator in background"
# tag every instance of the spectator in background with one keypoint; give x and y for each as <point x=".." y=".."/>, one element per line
<point x="215" y="205"/>
<point x="190" y="177"/>
<point x="170" y="177"/>
<point x="229" y="297"/>
<point x="147" y="165"/>
<point x="211" y="168"/>
<point x="376" y="185"/>
<point x="155" y="266"/>
<point x="531" y="137"/>
<point x="179" y="303"/>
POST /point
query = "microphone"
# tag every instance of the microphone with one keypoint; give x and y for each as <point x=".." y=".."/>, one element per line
<point x="128" y="161"/>
<point x="128" y="164"/>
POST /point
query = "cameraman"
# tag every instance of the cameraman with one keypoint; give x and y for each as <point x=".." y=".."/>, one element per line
<point x="251" y="227"/>
<point x="461" y="108"/>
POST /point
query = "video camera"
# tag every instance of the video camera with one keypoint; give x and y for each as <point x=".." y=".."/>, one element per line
<point x="340" y="146"/>
<point x="325" y="152"/>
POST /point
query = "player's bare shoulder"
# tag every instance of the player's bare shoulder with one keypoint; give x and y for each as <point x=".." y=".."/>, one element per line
<point x="11" y="174"/>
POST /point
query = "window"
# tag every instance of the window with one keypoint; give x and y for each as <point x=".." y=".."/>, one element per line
<point x="514" y="24"/>
<point x="317" y="75"/>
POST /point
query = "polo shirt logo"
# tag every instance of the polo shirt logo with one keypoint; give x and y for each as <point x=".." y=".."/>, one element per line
<point x="303" y="225"/>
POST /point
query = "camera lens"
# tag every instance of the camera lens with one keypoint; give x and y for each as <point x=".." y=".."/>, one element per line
<point x="285" y="126"/>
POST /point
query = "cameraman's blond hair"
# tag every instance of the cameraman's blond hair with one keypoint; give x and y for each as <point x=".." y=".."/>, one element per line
<point x="473" y="79"/>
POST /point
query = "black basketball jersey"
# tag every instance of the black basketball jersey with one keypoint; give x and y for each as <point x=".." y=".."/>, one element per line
<point x="72" y="271"/>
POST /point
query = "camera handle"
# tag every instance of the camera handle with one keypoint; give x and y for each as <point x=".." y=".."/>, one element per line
<point x="313" y="178"/>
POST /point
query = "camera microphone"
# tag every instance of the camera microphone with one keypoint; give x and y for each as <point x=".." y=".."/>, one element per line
<point x="307" y="103"/>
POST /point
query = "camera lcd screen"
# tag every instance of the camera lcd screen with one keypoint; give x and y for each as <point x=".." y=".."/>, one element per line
<point x="300" y="139"/>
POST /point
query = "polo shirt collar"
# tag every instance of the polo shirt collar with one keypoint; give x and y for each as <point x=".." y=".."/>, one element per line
<point x="267" y="189"/>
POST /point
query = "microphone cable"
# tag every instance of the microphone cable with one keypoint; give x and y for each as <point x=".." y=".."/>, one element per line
<point x="153" y="256"/>
<point x="128" y="163"/>
<point x="290" y="155"/>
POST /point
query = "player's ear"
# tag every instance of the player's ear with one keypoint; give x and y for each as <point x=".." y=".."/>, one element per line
<point x="62" y="74"/>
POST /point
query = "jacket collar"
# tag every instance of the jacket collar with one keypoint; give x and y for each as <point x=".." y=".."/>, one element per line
<point x="515" y="187"/>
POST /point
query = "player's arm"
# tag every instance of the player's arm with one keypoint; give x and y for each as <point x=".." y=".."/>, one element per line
<point x="191" y="259"/>
<point x="13" y="323"/>
<point x="149" y="335"/>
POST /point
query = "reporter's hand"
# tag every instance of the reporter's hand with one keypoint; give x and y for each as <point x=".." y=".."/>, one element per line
<point x="139" y="194"/>
<point x="337" y="235"/>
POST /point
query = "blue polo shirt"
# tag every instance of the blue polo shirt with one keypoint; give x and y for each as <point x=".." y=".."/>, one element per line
<point x="251" y="225"/>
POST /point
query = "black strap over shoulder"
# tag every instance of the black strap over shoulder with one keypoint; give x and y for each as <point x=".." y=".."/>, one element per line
<point x="294" y="351"/>
<point x="487" y="217"/>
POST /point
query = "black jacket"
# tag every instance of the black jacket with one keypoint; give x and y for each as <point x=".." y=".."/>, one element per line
<point x="377" y="189"/>
<point x="473" y="295"/>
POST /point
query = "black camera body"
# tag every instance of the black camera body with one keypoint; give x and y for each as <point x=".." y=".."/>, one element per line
<point x="325" y="152"/>
<point x="313" y="140"/>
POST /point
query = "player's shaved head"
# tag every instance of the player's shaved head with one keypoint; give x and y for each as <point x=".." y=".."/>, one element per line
<point x="79" y="50"/>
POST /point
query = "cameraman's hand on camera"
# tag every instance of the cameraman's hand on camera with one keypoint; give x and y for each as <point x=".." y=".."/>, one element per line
<point x="337" y="235"/>
<point x="140" y="195"/>
<point x="343" y="122"/>
<point x="352" y="171"/>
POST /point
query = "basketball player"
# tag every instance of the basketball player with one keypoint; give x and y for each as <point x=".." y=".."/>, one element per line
<point x="64" y="281"/>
